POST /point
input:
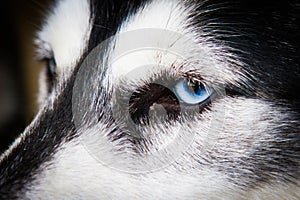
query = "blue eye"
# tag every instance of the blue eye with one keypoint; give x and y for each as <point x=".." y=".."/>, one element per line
<point x="191" y="92"/>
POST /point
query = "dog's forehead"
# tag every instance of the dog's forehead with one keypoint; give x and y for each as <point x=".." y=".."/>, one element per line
<point x="66" y="31"/>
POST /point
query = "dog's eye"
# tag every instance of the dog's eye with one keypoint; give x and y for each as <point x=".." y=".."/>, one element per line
<point x="191" y="92"/>
<point x="50" y="72"/>
<point x="183" y="97"/>
<point x="45" y="54"/>
<point x="50" y="66"/>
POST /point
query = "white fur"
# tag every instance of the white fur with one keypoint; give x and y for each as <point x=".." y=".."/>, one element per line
<point x="157" y="38"/>
<point x="146" y="34"/>
<point x="103" y="182"/>
<point x="67" y="31"/>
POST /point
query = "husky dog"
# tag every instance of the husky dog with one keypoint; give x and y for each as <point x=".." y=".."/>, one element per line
<point x="163" y="99"/>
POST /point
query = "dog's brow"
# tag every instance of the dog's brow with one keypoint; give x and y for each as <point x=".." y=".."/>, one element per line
<point x="170" y="44"/>
<point x="44" y="50"/>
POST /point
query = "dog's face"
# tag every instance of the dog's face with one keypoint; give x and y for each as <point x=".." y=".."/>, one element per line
<point x="163" y="100"/>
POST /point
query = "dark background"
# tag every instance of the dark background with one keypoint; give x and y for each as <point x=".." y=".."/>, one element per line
<point x="19" y="22"/>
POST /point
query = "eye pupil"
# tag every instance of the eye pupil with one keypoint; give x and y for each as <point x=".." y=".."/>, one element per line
<point x="195" y="87"/>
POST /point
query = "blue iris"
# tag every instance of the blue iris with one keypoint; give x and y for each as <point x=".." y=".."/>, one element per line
<point x="190" y="92"/>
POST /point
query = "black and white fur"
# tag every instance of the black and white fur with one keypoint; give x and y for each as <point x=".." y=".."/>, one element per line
<point x="249" y="48"/>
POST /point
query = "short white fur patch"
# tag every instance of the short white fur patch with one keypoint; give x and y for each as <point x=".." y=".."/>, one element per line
<point x="159" y="25"/>
<point x="158" y="37"/>
<point x="168" y="17"/>
<point x="66" y="32"/>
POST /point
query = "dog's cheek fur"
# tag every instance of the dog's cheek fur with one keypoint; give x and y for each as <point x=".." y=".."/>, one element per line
<point x="227" y="160"/>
